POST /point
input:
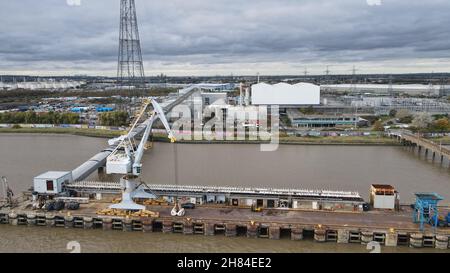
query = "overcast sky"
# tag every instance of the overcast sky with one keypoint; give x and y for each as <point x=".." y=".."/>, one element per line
<point x="223" y="37"/>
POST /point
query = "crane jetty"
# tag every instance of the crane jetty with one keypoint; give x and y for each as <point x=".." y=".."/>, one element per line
<point x="324" y="216"/>
<point x="65" y="200"/>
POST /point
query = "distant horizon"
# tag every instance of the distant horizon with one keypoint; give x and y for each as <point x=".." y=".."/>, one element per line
<point x="434" y="74"/>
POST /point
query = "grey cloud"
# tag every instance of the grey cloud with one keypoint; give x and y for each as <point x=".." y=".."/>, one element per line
<point x="50" y="35"/>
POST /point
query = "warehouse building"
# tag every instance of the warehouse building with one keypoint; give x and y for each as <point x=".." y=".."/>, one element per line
<point x="284" y="94"/>
<point x="327" y="121"/>
<point x="48" y="85"/>
<point x="211" y="98"/>
<point x="411" y="89"/>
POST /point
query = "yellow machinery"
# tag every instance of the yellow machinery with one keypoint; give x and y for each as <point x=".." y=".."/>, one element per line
<point x="122" y="213"/>
<point x="256" y="208"/>
<point x="156" y="202"/>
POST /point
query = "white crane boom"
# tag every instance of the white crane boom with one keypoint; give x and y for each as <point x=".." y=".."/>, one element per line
<point x="124" y="159"/>
<point x="157" y="113"/>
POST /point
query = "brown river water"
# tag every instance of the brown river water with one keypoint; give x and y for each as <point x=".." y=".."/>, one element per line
<point x="351" y="168"/>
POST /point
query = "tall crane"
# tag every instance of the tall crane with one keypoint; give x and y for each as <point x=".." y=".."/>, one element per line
<point x="126" y="158"/>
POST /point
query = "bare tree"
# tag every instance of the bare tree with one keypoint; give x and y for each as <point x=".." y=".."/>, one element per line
<point x="402" y="113"/>
<point x="422" y="120"/>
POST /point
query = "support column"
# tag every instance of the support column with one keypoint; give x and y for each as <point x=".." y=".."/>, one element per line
<point x="188" y="228"/>
<point x="320" y="235"/>
<point x="230" y="230"/>
<point x="88" y="222"/>
<point x="416" y="240"/>
<point x="343" y="236"/>
<point x="296" y="234"/>
<point x="274" y="232"/>
<point x="13" y="218"/>
<point x="31" y="219"/>
<point x="167" y="227"/>
<point x="391" y="239"/>
<point x="107" y="224"/>
<point x="127" y="224"/>
<point x="147" y="225"/>
<point x="50" y="219"/>
<point x="101" y="173"/>
<point x="252" y="231"/>
<point x="68" y="221"/>
<point x="442" y="242"/>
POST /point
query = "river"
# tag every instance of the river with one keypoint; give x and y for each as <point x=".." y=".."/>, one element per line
<point x="351" y="168"/>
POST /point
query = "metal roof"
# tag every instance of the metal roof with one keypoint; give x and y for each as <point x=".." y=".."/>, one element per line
<point x="429" y="195"/>
<point x="384" y="86"/>
<point x="52" y="175"/>
<point x="299" y="193"/>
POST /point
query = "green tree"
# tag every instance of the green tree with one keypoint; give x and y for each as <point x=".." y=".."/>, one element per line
<point x="307" y="111"/>
<point x="441" y="125"/>
<point x="118" y="118"/>
<point x="392" y="113"/>
<point x="378" y="126"/>
<point x="30" y="117"/>
<point x="404" y="116"/>
<point x="42" y="118"/>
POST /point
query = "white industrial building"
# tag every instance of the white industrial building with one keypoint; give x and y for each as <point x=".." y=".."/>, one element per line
<point x="41" y="85"/>
<point x="412" y="89"/>
<point x="208" y="87"/>
<point x="285" y="94"/>
<point x="210" y="98"/>
<point x="383" y="197"/>
<point x="52" y="182"/>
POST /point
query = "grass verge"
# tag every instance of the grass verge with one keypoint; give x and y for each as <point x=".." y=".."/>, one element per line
<point x="68" y="131"/>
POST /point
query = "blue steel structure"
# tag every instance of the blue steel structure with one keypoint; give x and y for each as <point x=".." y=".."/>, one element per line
<point x="104" y="109"/>
<point x="425" y="209"/>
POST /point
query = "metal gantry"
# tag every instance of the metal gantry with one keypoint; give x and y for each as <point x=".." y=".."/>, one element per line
<point x="426" y="210"/>
<point x="95" y="186"/>
<point x="130" y="70"/>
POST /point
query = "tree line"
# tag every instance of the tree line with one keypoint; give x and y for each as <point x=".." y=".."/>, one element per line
<point x="118" y="118"/>
<point x="27" y="95"/>
<point x="424" y="122"/>
<point x="31" y="117"/>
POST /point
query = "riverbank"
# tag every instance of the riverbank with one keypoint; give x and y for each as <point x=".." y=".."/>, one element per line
<point x="372" y="140"/>
<point x="294" y="140"/>
<point x="347" y="140"/>
<point x="67" y="131"/>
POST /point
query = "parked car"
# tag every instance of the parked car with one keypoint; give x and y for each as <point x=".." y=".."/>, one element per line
<point x="188" y="206"/>
<point x="366" y="207"/>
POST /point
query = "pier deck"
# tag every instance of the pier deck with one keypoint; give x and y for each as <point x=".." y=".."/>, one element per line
<point x="374" y="220"/>
<point x="388" y="228"/>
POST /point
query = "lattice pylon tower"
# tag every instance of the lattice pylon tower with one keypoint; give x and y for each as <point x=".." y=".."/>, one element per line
<point x="130" y="69"/>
